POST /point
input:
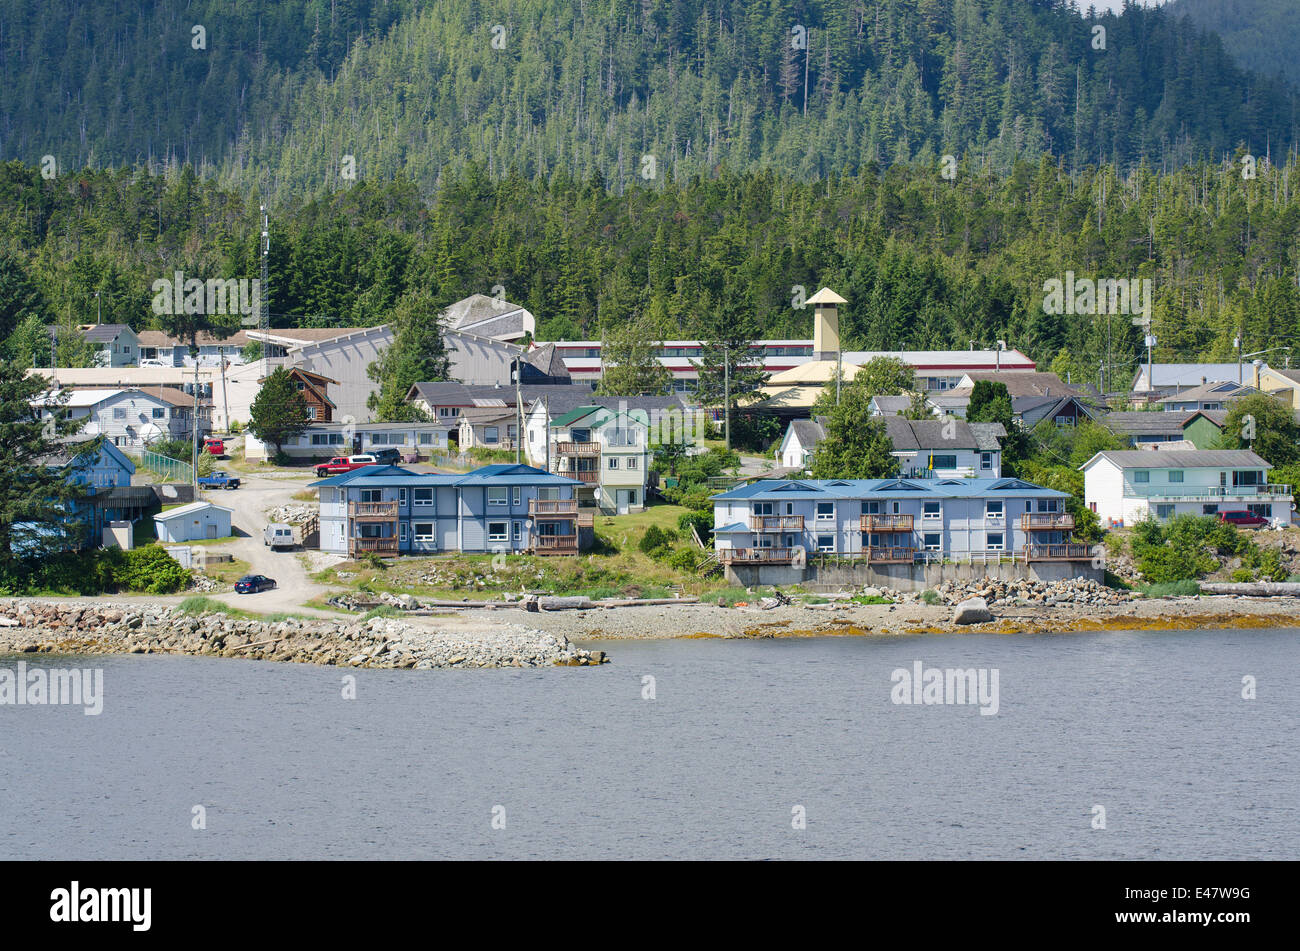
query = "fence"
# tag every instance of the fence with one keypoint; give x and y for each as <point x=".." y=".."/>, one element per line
<point x="165" y="467"/>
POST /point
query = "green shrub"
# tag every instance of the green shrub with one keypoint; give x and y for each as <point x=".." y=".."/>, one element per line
<point x="656" y="538"/>
<point x="281" y="459"/>
<point x="930" y="596"/>
<point x="384" y="610"/>
<point x="702" y="522"/>
<point x="151" y="569"/>
<point x="683" y="559"/>
<point x="1164" y="564"/>
<point x="1167" y="589"/>
<point x="1243" y="575"/>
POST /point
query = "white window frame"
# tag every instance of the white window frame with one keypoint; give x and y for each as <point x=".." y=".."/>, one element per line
<point x="423" y="537"/>
<point x="825" y="516"/>
<point x="419" y="502"/>
<point x="502" y="536"/>
<point x="1000" y="514"/>
<point x="502" y="500"/>
<point x="1001" y="541"/>
<point x="515" y="496"/>
<point x="936" y="516"/>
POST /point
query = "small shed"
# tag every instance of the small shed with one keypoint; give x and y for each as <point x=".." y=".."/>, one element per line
<point x="193" y="522"/>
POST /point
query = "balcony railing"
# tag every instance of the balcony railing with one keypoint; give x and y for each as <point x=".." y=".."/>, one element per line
<point x="776" y="523"/>
<point x="590" y="476"/>
<point x="380" y="510"/>
<point x="1066" y="552"/>
<point x="890" y="556"/>
<point x="577" y="448"/>
<point x="1046" y="521"/>
<point x="380" y="546"/>
<point x="756" y="556"/>
<point x="886" y="523"/>
<point x="553" y="508"/>
<point x="1211" y="493"/>
<point x="555" y="544"/>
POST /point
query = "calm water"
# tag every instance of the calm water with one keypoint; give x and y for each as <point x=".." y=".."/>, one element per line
<point x="1150" y="725"/>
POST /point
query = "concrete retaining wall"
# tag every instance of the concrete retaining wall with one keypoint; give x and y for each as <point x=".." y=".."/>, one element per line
<point x="907" y="577"/>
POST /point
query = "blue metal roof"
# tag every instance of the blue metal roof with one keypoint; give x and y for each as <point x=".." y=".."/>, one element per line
<point x="831" y="489"/>
<point x="396" y="476"/>
<point x="733" y="527"/>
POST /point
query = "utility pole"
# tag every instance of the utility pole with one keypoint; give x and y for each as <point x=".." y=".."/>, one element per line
<point x="194" y="423"/>
<point x="519" y="409"/>
<point x="99" y="313"/>
<point x="225" y="402"/>
<point x="839" y="371"/>
<point x="54" y="356"/>
<point x="807" y="51"/>
<point x="1239" y="344"/>
<point x="546" y="436"/>
<point x="726" y="394"/>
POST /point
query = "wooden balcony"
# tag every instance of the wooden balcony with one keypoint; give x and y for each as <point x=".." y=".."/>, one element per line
<point x="756" y="556"/>
<point x="552" y="508"/>
<point x="776" y="523"/>
<point x="555" y="544"/>
<point x="1046" y="522"/>
<point x="589" y="476"/>
<point x="1065" y="552"/>
<point x="886" y="523"/>
<point x="373" y="511"/>
<point x="890" y="556"/>
<point x="385" y="547"/>
<point x="577" y="448"/>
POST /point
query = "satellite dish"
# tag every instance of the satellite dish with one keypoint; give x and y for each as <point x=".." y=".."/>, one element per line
<point x="92" y="428"/>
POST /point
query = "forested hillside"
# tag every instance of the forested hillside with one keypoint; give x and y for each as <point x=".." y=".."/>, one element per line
<point x="289" y="97"/>
<point x="924" y="262"/>
<point x="1262" y="35"/>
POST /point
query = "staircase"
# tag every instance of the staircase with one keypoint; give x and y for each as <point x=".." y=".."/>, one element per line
<point x="311" y="532"/>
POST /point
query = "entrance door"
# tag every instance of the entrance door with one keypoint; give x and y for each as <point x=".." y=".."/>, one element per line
<point x="624" y="500"/>
<point x="212" y="530"/>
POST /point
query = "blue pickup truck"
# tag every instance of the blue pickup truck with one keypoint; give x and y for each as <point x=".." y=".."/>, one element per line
<point x="218" y="480"/>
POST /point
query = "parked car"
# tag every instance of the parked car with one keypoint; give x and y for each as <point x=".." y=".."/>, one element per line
<point x="252" y="584"/>
<point x="1245" y="519"/>
<point x="341" y="464"/>
<point x="214" y="446"/>
<point x="277" y="536"/>
<point x="219" y="480"/>
<point x="153" y="362"/>
<point x="388" y="457"/>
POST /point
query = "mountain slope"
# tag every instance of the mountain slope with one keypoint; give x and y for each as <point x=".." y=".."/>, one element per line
<point x="631" y="90"/>
<point x="1262" y="35"/>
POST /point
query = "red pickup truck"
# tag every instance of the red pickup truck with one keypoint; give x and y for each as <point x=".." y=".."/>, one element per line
<point x="341" y="464"/>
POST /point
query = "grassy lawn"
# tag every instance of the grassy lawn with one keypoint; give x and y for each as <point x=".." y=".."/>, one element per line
<point x="227" y="572"/>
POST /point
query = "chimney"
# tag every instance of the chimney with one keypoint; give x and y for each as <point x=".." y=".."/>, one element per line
<point x="826" y="324"/>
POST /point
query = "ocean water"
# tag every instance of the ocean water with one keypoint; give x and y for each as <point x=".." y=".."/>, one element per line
<point x="741" y="740"/>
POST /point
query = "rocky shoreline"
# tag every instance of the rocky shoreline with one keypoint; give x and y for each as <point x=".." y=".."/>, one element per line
<point x="31" y="626"/>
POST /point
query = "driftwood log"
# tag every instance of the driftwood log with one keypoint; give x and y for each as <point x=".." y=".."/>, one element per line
<point x="1253" y="589"/>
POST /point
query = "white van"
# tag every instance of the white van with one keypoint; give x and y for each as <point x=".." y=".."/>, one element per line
<point x="278" y="536"/>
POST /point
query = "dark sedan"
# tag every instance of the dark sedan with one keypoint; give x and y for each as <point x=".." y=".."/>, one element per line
<point x="251" y="584"/>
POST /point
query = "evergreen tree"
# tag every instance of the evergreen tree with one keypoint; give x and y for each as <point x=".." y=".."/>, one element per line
<point x="856" y="445"/>
<point x="418" y="355"/>
<point x="630" y="357"/>
<point x="279" y="412"/>
<point x="39" y="504"/>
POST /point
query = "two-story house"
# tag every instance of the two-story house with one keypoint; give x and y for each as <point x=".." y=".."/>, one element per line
<point x="390" y="510"/>
<point x="893" y="521"/>
<point x="100" y="466"/>
<point x="1132" y="485"/>
<point x="130" y="418"/>
<point x="116" y="345"/>
<point x="314" y="390"/>
<point x="1218" y="395"/>
<point x="946" y="448"/>
<point x="608" y="452"/>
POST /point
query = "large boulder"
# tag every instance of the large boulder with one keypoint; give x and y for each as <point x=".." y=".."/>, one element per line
<point x="972" y="611"/>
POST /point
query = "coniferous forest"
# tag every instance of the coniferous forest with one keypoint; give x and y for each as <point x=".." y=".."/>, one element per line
<point x="685" y="163"/>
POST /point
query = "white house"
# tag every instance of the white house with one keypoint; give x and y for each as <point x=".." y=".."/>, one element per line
<point x="1132" y="485"/>
<point x="129" y="418"/>
<point x="116" y="345"/>
<point x="193" y="522"/>
<point x="946" y="448"/>
<point x="800" y="440"/>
